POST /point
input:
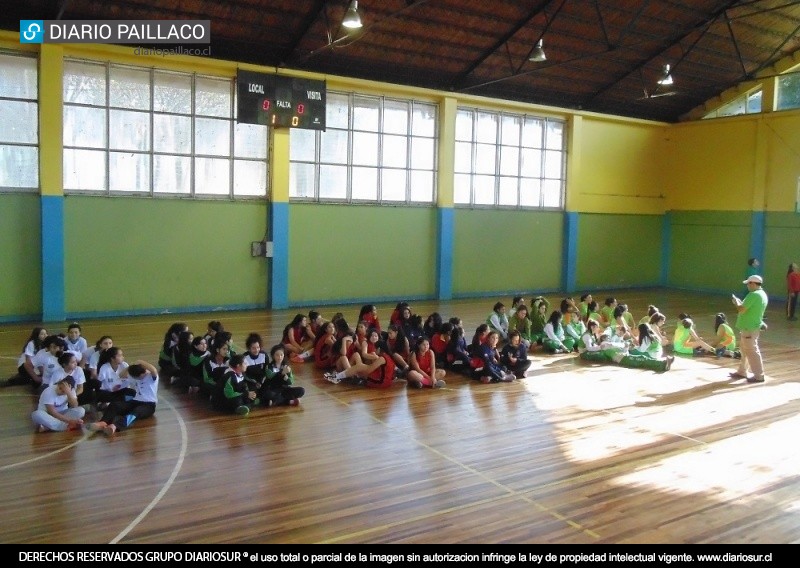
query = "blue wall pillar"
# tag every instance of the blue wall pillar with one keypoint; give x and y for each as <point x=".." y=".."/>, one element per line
<point x="279" y="263"/>
<point x="444" y="253"/>
<point x="570" y="258"/>
<point x="53" y="308"/>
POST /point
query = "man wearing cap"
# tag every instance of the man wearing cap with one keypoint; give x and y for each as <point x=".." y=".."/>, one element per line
<point x="750" y="322"/>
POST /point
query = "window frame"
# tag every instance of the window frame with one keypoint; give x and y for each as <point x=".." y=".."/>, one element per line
<point x="192" y="157"/>
<point x="318" y="163"/>
<point x="35" y="188"/>
<point x="498" y="176"/>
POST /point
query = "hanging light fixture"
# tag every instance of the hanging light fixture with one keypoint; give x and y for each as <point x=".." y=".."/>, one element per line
<point x="666" y="78"/>
<point x="352" y="19"/>
<point x="538" y="53"/>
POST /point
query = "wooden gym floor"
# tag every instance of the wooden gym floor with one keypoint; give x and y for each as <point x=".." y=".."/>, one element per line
<point x="573" y="454"/>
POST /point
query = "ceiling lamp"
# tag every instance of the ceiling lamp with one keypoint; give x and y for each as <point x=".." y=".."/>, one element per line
<point x="352" y="19"/>
<point x="538" y="53"/>
<point x="666" y="78"/>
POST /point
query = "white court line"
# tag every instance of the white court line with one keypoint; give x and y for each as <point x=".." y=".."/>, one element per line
<point x="47" y="455"/>
<point x="167" y="485"/>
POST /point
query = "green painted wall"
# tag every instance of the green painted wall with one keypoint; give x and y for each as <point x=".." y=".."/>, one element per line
<point x="617" y="251"/>
<point x="709" y="250"/>
<point x="21" y="261"/>
<point x="134" y="255"/>
<point x="348" y="253"/>
<point x="500" y="251"/>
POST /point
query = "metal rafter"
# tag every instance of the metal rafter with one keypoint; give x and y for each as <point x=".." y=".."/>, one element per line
<point x="461" y="77"/>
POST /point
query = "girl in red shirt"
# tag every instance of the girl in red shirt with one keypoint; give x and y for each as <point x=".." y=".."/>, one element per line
<point x="423" y="371"/>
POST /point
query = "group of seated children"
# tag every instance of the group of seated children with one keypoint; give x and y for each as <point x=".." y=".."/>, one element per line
<point x="418" y="351"/>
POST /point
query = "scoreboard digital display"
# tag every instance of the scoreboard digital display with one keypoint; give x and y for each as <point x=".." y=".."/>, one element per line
<point x="280" y="101"/>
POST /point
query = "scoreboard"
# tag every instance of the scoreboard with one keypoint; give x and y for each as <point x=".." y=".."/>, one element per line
<point x="280" y="101"/>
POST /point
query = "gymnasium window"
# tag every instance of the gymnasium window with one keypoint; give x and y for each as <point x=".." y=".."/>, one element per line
<point x="136" y="131"/>
<point x="749" y="103"/>
<point x="788" y="91"/>
<point x="19" y="123"/>
<point x="509" y="160"/>
<point x="374" y="150"/>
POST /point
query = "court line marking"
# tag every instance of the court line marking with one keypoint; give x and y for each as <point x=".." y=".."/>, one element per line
<point x="164" y="488"/>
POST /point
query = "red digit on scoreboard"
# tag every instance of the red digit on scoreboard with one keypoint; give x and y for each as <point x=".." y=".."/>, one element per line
<point x="265" y="105"/>
<point x="301" y="108"/>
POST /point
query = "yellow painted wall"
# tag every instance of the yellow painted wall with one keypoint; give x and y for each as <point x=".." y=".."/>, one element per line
<point x="617" y="167"/>
<point x="746" y="163"/>
<point x="782" y="163"/>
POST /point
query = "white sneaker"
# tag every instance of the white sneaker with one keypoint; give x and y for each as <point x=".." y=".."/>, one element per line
<point x="440" y="384"/>
<point x="508" y="377"/>
<point x="332" y="378"/>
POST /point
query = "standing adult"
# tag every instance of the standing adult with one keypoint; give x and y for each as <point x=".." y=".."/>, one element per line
<point x="753" y="269"/>
<point x="750" y="322"/>
<point x="792" y="290"/>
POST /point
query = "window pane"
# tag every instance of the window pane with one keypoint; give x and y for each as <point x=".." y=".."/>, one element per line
<point x="249" y="140"/>
<point x="212" y="176"/>
<point x="84" y="83"/>
<point x="487" y="128"/>
<point x="394" y="185"/>
<point x="395" y="117"/>
<point x="249" y="178"/>
<point x="511" y="126"/>
<point x="85" y="127"/>
<point x="365" y="184"/>
<point x="333" y="148"/>
<point x="19" y="77"/>
<point x="19" y="166"/>
<point x="129" y="88"/>
<point x="172" y="174"/>
<point x="129" y="172"/>
<point x="555" y="135"/>
<point x="84" y="169"/>
<point x="530" y="192"/>
<point x="551" y="193"/>
<point x="754" y="103"/>
<point x="788" y="91"/>
<point x="422" y="153"/>
<point x="332" y="182"/>
<point x="422" y="186"/>
<point x="463" y="158"/>
<point x="484" y="190"/>
<point x="509" y="160"/>
<point x="213" y="97"/>
<point x="508" y="191"/>
<point x="365" y="148"/>
<point x="212" y="137"/>
<point x="366" y="113"/>
<point x="531" y="163"/>
<point x="464" y="125"/>
<point x="172" y="133"/>
<point x="302" y="144"/>
<point x="337" y="111"/>
<point x="129" y="130"/>
<point x="172" y="92"/>
<point x="552" y="164"/>
<point x="485" y="158"/>
<point x="19" y="122"/>
<point x="532" y="132"/>
<point x="733" y="108"/>
<point x="424" y="123"/>
<point x="461" y="188"/>
<point x="301" y="180"/>
<point x="395" y="153"/>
